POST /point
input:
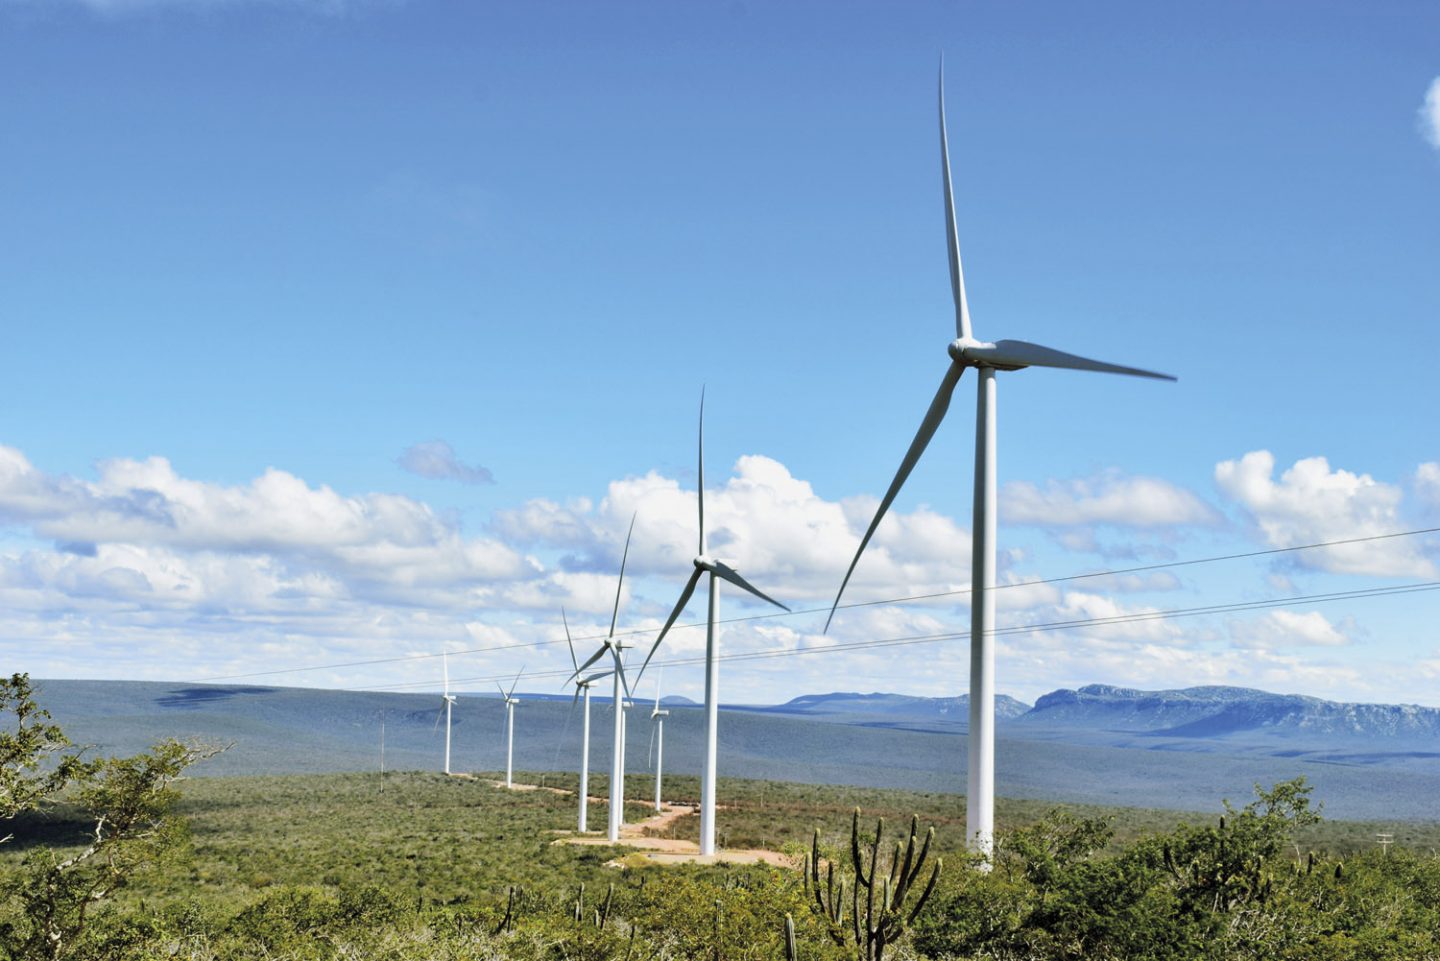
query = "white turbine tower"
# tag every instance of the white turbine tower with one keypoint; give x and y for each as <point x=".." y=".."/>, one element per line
<point x="448" y="700"/>
<point x="718" y="570"/>
<point x="987" y="358"/>
<point x="621" y="691"/>
<point x="582" y="688"/>
<point x="510" y="701"/>
<point x="657" y="738"/>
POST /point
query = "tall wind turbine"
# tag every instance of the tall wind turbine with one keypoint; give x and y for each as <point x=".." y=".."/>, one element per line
<point x="448" y="701"/>
<point x="987" y="358"/>
<point x="657" y="738"/>
<point x="718" y="570"/>
<point x="582" y="688"/>
<point x="622" y="691"/>
<point x="510" y="701"/>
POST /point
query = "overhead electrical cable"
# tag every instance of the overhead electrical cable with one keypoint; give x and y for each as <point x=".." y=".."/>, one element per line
<point x="1044" y="627"/>
<point x="1116" y="572"/>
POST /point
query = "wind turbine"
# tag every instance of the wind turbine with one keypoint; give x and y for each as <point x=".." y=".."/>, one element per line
<point x="510" y="701"/>
<point x="448" y="702"/>
<point x="621" y="691"/>
<point x="987" y="358"/>
<point x="718" y="570"/>
<point x="657" y="738"/>
<point x="582" y="687"/>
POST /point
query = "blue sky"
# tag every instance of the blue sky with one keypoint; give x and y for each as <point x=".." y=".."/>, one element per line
<point x="348" y="330"/>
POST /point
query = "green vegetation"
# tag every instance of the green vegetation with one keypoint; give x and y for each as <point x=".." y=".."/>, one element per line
<point x="421" y="866"/>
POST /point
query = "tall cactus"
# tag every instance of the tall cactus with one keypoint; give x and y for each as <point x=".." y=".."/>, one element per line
<point x="884" y="916"/>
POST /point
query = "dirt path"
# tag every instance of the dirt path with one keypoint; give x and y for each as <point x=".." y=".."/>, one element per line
<point x="653" y="850"/>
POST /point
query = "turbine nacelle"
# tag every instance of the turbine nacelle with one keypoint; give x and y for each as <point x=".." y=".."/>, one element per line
<point x="977" y="353"/>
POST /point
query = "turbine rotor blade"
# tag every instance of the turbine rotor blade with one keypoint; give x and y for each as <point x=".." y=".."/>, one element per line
<point x="573" y="662"/>
<point x="621" y="583"/>
<point x="438" y="715"/>
<point x="593" y="658"/>
<point x="501" y="689"/>
<point x="516" y="681"/>
<point x="1022" y="353"/>
<point x="952" y="239"/>
<point x="730" y="574"/>
<point x="596" y="677"/>
<point x="650" y="754"/>
<point x="685" y="596"/>
<point x="445" y="666"/>
<point x="928" y="426"/>
<point x="620" y="669"/>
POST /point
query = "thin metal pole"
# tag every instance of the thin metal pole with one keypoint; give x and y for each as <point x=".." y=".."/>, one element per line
<point x="980" y="774"/>
<point x="585" y="762"/>
<point x="617" y="799"/>
<point x="659" y="757"/>
<point x="448" y="702"/>
<point x="712" y="716"/>
<point x="509" y="739"/>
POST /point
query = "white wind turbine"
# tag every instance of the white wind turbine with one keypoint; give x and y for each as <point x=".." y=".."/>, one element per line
<point x="582" y="688"/>
<point x="657" y="738"/>
<point x="966" y="351"/>
<point x="718" y="570"/>
<point x="621" y="691"/>
<point x="510" y="701"/>
<point x="448" y="701"/>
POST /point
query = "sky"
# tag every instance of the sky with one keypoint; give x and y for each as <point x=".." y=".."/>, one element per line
<point x="358" y="330"/>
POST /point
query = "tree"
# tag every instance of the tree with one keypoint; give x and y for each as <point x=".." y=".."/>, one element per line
<point x="126" y="801"/>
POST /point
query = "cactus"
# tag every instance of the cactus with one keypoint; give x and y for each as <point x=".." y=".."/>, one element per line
<point x="507" y="923"/>
<point x="884" y="916"/>
<point x="792" y="952"/>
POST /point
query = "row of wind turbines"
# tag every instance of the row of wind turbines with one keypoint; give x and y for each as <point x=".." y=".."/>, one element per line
<point x="965" y="351"/>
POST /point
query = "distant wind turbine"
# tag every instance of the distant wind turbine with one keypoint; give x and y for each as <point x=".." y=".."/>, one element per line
<point x="657" y="738"/>
<point x="622" y="691"/>
<point x="966" y="351"/>
<point x="582" y="688"/>
<point x="448" y="701"/>
<point x="718" y="570"/>
<point x="510" y="701"/>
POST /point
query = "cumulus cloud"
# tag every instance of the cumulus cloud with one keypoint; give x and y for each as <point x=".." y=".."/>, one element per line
<point x="1427" y="483"/>
<point x="1310" y="503"/>
<point x="1430" y="114"/>
<point x="375" y="545"/>
<point x="1108" y="498"/>
<point x="1285" y="629"/>
<point x="768" y="524"/>
<point x="436" y="460"/>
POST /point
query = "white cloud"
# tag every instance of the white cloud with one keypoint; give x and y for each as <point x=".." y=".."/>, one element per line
<point x="767" y="523"/>
<point x="1284" y="629"/>
<point x="1107" y="498"/>
<point x="436" y="460"/>
<point x="381" y="546"/>
<point x="1427" y="483"/>
<point x="1430" y="114"/>
<point x="1312" y="503"/>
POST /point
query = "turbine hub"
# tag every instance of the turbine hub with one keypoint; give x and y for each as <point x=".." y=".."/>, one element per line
<point x="705" y="562"/>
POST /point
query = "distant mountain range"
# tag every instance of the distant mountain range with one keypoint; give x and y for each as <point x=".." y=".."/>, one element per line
<point x="1220" y="712"/>
<point x="1098" y="744"/>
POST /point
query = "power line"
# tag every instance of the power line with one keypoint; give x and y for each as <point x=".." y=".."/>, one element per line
<point x="1046" y="627"/>
<point x="820" y="610"/>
